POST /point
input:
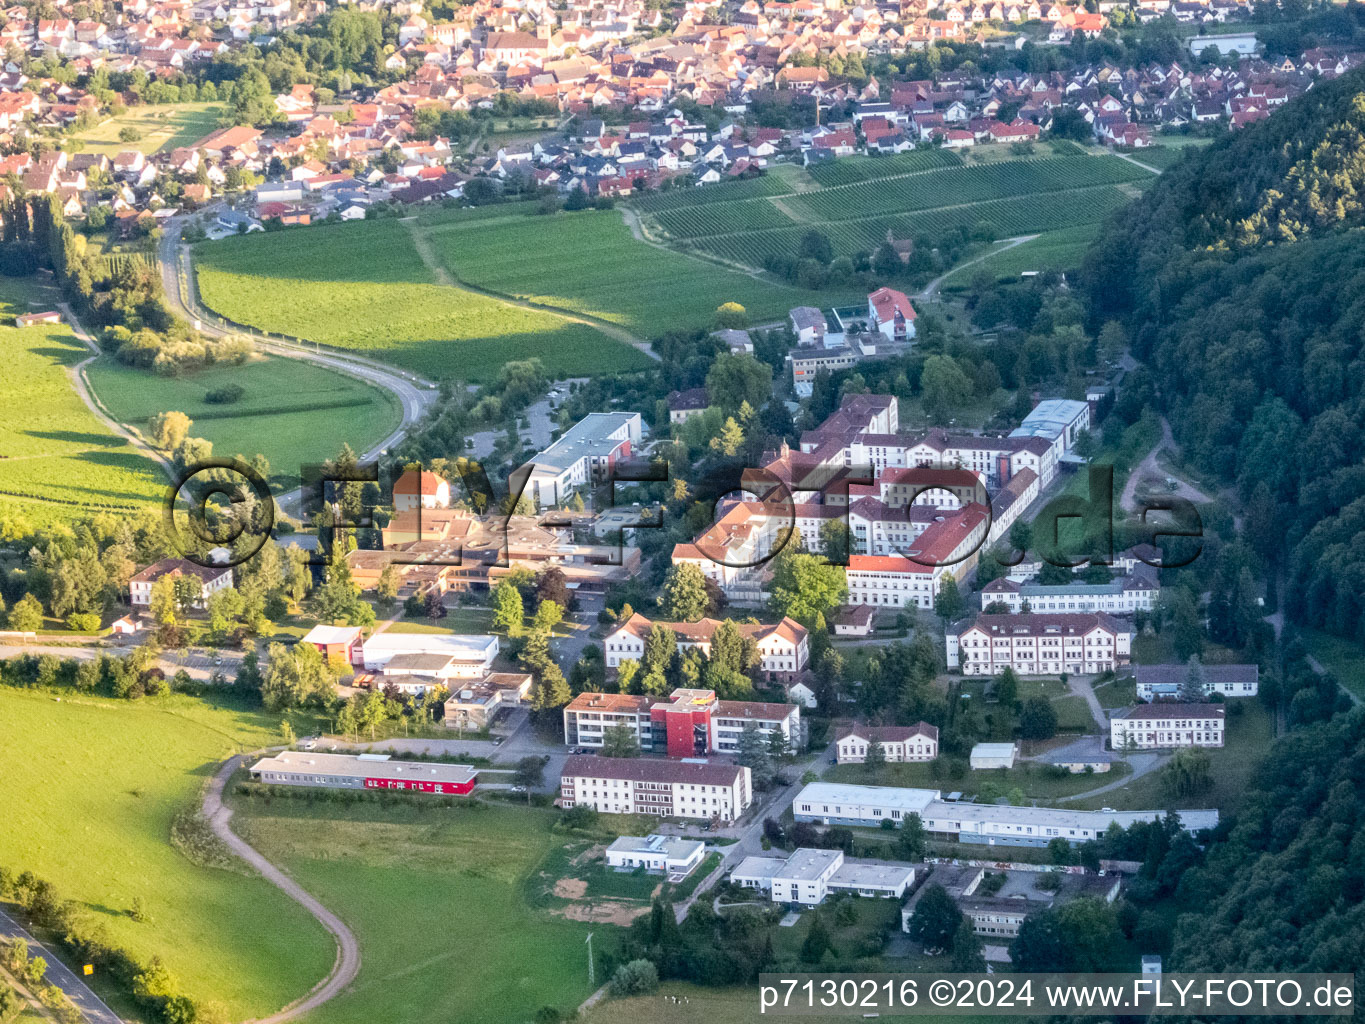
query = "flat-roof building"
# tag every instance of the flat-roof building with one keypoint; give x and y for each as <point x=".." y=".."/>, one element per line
<point x="582" y="456"/>
<point x="665" y="854"/>
<point x="832" y="803"/>
<point x="808" y="876"/>
<point x="993" y="755"/>
<point x="363" y="771"/>
<point x="434" y="658"/>
<point x="689" y="788"/>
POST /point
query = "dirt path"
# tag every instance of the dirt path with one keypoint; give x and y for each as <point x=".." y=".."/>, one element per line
<point x="1149" y="467"/>
<point x="82" y="386"/>
<point x="443" y="277"/>
<point x="347" y="964"/>
<point x="796" y="218"/>
<point x="1079" y="687"/>
<point x="1135" y="163"/>
<point x="1143" y="764"/>
<point x="930" y="289"/>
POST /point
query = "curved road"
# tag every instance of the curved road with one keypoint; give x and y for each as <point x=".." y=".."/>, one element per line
<point x="347" y="963"/>
<point x="415" y="394"/>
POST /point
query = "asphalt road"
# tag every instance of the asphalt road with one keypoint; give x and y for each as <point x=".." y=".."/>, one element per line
<point x="347" y="964"/>
<point x="91" y="1006"/>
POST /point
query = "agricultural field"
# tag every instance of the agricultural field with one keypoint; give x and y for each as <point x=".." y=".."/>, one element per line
<point x="292" y="412"/>
<point x="56" y="458"/>
<point x="681" y="1003"/>
<point x="91" y="786"/>
<point x="159" y="127"/>
<point x="420" y="887"/>
<point x="1062" y="249"/>
<point x="920" y="194"/>
<point x="589" y="263"/>
<point x="364" y="287"/>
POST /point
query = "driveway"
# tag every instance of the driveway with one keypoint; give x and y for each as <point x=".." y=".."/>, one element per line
<point x="92" y="1007"/>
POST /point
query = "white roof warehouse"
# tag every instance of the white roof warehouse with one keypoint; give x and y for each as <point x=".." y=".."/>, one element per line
<point x="363" y="771"/>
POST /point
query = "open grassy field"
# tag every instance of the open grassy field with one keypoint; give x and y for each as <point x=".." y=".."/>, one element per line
<point x="681" y="1003"/>
<point x="1030" y="779"/>
<point x="1344" y="659"/>
<point x="90" y="788"/>
<point x="589" y="263"/>
<point x="56" y="458"/>
<point x="437" y="900"/>
<point x="857" y="201"/>
<point x="294" y="413"/>
<point x="159" y="127"/>
<point x="1062" y="249"/>
<point x="364" y="287"/>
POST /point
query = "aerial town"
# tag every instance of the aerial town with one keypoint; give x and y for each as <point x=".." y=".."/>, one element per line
<point x="684" y="493"/>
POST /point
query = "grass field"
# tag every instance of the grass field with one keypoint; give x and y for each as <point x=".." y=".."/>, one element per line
<point x="436" y="898"/>
<point x="1027" y="777"/>
<point x="1342" y="658"/>
<point x="931" y="193"/>
<point x="1062" y="249"/>
<point x="364" y="287"/>
<point x="159" y="127"/>
<point x="680" y="1003"/>
<point x="294" y="413"/>
<point x="90" y="789"/>
<point x="56" y="458"/>
<point x="589" y="263"/>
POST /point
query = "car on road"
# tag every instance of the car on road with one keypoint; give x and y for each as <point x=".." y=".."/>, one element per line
<point x="308" y="743"/>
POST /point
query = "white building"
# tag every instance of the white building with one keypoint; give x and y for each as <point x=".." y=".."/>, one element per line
<point x="1163" y="682"/>
<point x="1039" y="644"/>
<point x="665" y="854"/>
<point x="668" y="789"/>
<point x="1136" y="592"/>
<point x="830" y="803"/>
<point x="948" y="547"/>
<point x="1149" y="726"/>
<point x="435" y="656"/>
<point x="783" y="647"/>
<point x="211" y="580"/>
<point x="1002" y="825"/>
<point x="418" y="489"/>
<point x="917" y="742"/>
<point x="987" y="756"/>
<point x="583" y="456"/>
<point x="807" y="877"/>
<point x="686" y="723"/>
<point x="1059" y="420"/>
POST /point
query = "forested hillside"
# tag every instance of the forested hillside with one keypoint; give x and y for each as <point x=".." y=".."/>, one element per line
<point x="1241" y="279"/>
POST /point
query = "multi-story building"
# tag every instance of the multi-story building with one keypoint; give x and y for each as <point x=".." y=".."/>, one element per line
<point x="655" y="853"/>
<point x="667" y="789"/>
<point x="686" y="723"/>
<point x="418" y="489"/>
<point x="783" y="647"/>
<point x="365" y="771"/>
<point x="1149" y="726"/>
<point x="1136" y="592"/>
<point x="1163" y="682"/>
<point x="583" y="456"/>
<point x="473" y="704"/>
<point x="211" y="579"/>
<point x="917" y="742"/>
<point x="1059" y="420"/>
<point x="949" y="547"/>
<point x="807" y="877"/>
<point x="1035" y="644"/>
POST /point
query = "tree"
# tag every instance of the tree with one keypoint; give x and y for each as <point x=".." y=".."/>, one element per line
<point x="753" y="754"/>
<point x="736" y="378"/>
<point x="548" y="615"/>
<point x="296" y="676"/>
<point x="911" y="841"/>
<point x="530" y="773"/>
<point x="805" y="586"/>
<point x="1037" y="719"/>
<point x="732" y="315"/>
<point x="509" y="614"/>
<point x="1194" y="685"/>
<point x="1188" y="773"/>
<point x="967" y="957"/>
<point x="834" y="541"/>
<point x="635" y="978"/>
<point x="620" y="740"/>
<point x="169" y="429"/>
<point x="1007" y="687"/>
<point x="944" y="387"/>
<point x="815" y="245"/>
<point x="875" y="760"/>
<point x="27" y="615"/>
<point x="949" y="604"/>
<point x="661" y="644"/>
<point x="683" y="597"/>
<point x="552" y="585"/>
<point x="817" y="942"/>
<point x="387" y="588"/>
<point x="730" y="439"/>
<point x="935" y="919"/>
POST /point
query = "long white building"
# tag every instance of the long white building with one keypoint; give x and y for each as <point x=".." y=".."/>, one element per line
<point x="584" y="455"/>
<point x="664" y="788"/>
<point x="807" y="877"/>
<point x="1154" y="726"/>
<point x="433" y="657"/>
<point x="1163" y="682"/>
<point x="1036" y="644"/>
<point x="1136" y="592"/>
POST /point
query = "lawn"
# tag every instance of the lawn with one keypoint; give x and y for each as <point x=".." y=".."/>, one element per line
<point x="588" y="262"/>
<point x="56" y="458"/>
<point x="1343" y="658"/>
<point x="90" y="788"/>
<point x="1247" y="737"/>
<point x="1062" y="249"/>
<point x="437" y="900"/>
<point x="364" y="287"/>
<point x="294" y="413"/>
<point x="681" y="1003"/>
<point x="159" y="127"/>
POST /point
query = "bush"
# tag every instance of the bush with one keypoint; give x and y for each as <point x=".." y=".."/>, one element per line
<point x="225" y="395"/>
<point x="580" y="816"/>
<point x="83" y="622"/>
<point x="194" y="837"/>
<point x="637" y="978"/>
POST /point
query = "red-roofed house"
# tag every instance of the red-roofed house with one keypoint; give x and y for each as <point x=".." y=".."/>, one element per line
<point x="414" y="490"/>
<point x="892" y="313"/>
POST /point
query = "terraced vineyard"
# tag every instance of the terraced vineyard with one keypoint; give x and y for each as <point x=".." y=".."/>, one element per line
<point x="925" y="194"/>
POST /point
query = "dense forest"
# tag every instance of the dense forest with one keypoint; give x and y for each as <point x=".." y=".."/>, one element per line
<point x="1241" y="281"/>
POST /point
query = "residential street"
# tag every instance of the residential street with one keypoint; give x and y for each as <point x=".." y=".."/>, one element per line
<point x="92" y="1007"/>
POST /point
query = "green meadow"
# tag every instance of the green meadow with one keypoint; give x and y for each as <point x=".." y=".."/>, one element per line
<point x="91" y="786"/>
